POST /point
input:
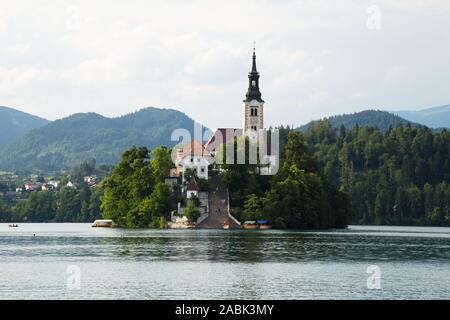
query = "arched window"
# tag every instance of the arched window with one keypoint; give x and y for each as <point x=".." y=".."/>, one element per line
<point x="253" y="83"/>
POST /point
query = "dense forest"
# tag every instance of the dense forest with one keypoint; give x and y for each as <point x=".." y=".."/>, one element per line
<point x="136" y="195"/>
<point x="15" y="123"/>
<point x="382" y="120"/>
<point x="63" y="144"/>
<point x="298" y="196"/>
<point x="401" y="176"/>
<point x="65" y="205"/>
<point x="328" y="177"/>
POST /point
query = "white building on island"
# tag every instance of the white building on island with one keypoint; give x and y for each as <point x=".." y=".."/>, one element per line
<point x="193" y="156"/>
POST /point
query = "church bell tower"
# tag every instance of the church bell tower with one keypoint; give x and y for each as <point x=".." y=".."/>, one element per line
<point x="253" y="103"/>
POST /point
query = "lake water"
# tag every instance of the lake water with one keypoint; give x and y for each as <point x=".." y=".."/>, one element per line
<point x="45" y="261"/>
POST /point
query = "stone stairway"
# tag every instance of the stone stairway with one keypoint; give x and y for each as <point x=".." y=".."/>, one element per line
<point x="218" y="206"/>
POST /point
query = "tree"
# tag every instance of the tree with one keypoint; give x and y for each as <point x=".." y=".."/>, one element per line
<point x="161" y="163"/>
<point x="128" y="185"/>
<point x="253" y="208"/>
<point x="135" y="194"/>
<point x="191" y="212"/>
<point x="296" y="153"/>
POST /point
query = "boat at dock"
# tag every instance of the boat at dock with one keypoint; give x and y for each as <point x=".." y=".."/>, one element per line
<point x="250" y="225"/>
<point x="263" y="224"/>
<point x="103" y="224"/>
<point x="260" y="224"/>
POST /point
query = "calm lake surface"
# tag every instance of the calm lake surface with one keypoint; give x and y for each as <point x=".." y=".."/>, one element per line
<point x="41" y="261"/>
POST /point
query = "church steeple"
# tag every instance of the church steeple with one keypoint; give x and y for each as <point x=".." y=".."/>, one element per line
<point x="254" y="61"/>
<point x="253" y="103"/>
<point x="253" y="92"/>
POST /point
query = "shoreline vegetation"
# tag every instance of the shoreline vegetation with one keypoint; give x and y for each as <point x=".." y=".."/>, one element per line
<point x="328" y="178"/>
<point x="297" y="197"/>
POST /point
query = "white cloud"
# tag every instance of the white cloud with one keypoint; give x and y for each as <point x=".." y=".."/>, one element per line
<point x="315" y="57"/>
<point x="12" y="79"/>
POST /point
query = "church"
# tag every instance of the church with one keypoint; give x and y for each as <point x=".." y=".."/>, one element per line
<point x="253" y="114"/>
<point x="194" y="160"/>
<point x="196" y="156"/>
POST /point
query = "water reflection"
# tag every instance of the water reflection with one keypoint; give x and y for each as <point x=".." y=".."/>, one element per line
<point x="205" y="264"/>
<point x="230" y="246"/>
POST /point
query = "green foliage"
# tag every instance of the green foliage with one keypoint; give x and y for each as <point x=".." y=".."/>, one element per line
<point x="397" y="177"/>
<point x="6" y="214"/>
<point x="15" y="123"/>
<point x="66" y="205"/>
<point x="189" y="174"/>
<point x="191" y="212"/>
<point x="195" y="200"/>
<point x="253" y="207"/>
<point x="161" y="163"/>
<point x="374" y="118"/>
<point x="63" y="144"/>
<point x="135" y="194"/>
<point x="298" y="196"/>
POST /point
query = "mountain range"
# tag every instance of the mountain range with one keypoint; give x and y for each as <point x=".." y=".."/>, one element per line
<point x="437" y="117"/>
<point x="30" y="143"/>
<point x="62" y="144"/>
<point x="14" y="123"/>
<point x="375" y="118"/>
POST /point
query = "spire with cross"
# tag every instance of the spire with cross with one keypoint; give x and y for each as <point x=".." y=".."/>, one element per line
<point x="253" y="92"/>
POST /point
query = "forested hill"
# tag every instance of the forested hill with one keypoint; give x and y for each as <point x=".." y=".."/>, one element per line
<point x="65" y="143"/>
<point x="14" y="123"/>
<point x="380" y="119"/>
<point x="400" y="177"/>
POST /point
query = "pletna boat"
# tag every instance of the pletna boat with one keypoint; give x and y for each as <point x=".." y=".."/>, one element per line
<point x="263" y="224"/>
<point x="250" y="225"/>
<point x="103" y="224"/>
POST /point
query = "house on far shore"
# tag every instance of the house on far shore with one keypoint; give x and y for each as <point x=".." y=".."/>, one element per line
<point x="32" y="186"/>
<point x="54" y="183"/>
<point x="91" y="181"/>
<point x="72" y="185"/>
<point x="47" y="187"/>
<point x="193" y="156"/>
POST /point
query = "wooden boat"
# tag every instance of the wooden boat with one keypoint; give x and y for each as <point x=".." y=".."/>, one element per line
<point x="250" y="225"/>
<point x="103" y="224"/>
<point x="263" y="224"/>
<point x="260" y="224"/>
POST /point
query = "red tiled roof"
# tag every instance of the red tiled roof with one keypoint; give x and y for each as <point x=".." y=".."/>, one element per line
<point x="221" y="136"/>
<point x="194" y="148"/>
<point x="192" y="186"/>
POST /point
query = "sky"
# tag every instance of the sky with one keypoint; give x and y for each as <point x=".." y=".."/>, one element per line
<point x="316" y="58"/>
